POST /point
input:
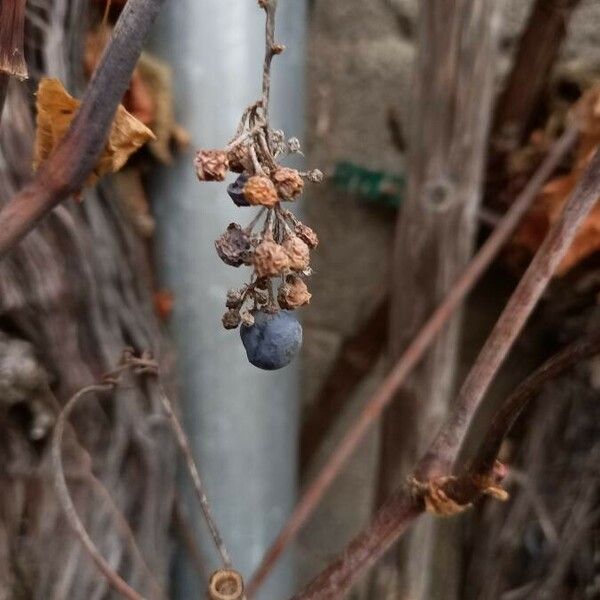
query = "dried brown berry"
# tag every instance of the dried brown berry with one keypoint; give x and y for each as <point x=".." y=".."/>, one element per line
<point x="211" y="165"/>
<point x="239" y="158"/>
<point x="231" y="319"/>
<point x="234" y="299"/>
<point x="307" y="235"/>
<point x="270" y="259"/>
<point x="293" y="293"/>
<point x="260" y="190"/>
<point x="233" y="247"/>
<point x="288" y="182"/>
<point x="298" y="253"/>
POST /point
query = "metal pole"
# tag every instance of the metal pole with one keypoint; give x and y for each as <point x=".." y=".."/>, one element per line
<point x="242" y="422"/>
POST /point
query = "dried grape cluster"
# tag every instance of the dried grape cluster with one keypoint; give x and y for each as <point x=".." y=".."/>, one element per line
<point x="275" y="244"/>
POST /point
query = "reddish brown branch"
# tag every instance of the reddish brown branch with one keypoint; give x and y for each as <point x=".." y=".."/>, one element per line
<point x="356" y="359"/>
<point x="404" y="506"/>
<point x="444" y="449"/>
<point x="408" y="360"/>
<point x="538" y="48"/>
<point x="3" y="90"/>
<point x="76" y="154"/>
<point x="390" y="522"/>
<point x="513" y="406"/>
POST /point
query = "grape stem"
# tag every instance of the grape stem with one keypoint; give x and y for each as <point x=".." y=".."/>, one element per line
<point x="270" y="8"/>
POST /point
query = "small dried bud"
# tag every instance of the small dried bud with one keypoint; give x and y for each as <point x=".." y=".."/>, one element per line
<point x="293" y="293"/>
<point x="233" y="247"/>
<point x="263" y="3"/>
<point x="307" y="235"/>
<point x="239" y="158"/>
<point x="211" y="165"/>
<point x="270" y="259"/>
<point x="231" y="319"/>
<point x="247" y="319"/>
<point x="294" y="145"/>
<point x="277" y="136"/>
<point x="277" y="48"/>
<point x="262" y="283"/>
<point x="261" y="296"/>
<point x="315" y="176"/>
<point x="234" y="299"/>
<point x="288" y="182"/>
<point x="260" y="190"/>
<point x="298" y="253"/>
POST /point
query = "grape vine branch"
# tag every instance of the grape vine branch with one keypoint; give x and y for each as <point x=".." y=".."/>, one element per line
<point x="75" y="156"/>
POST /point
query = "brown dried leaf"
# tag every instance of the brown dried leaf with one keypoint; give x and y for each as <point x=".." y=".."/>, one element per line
<point x="56" y="109"/>
<point x="149" y="98"/>
<point x="156" y="77"/>
<point x="549" y="204"/>
<point x="164" y="301"/>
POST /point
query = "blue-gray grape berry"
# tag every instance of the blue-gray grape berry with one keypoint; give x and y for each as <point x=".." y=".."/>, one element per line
<point x="236" y="191"/>
<point x="274" y="339"/>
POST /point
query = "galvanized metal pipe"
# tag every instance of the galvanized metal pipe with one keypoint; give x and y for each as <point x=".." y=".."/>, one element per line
<point x="242" y="422"/>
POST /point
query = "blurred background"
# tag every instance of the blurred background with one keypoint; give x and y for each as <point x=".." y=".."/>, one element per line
<point x="427" y="119"/>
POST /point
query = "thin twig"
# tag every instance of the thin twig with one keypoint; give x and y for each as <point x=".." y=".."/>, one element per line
<point x="516" y="402"/>
<point x="139" y="365"/>
<point x="4" y="79"/>
<point x="403" y="506"/>
<point x="270" y="7"/>
<point x="76" y="155"/>
<point x="184" y="447"/>
<point x="106" y="12"/>
<point x="409" y="359"/>
<point x="125" y="530"/>
<point x="146" y="365"/>
<point x="184" y="530"/>
<point x="537" y="51"/>
<point x="112" y="577"/>
<point x="355" y="359"/>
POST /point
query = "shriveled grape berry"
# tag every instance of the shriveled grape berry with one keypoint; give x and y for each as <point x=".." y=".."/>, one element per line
<point x="236" y="191"/>
<point x="274" y="339"/>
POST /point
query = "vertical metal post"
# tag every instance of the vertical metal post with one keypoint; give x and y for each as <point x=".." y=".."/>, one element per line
<point x="243" y="422"/>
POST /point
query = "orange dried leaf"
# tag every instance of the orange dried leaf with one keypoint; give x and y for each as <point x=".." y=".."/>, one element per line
<point x="55" y="111"/>
<point x="163" y="303"/>
<point x="551" y="200"/>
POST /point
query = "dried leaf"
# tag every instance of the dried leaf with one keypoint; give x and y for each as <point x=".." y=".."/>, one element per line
<point x="164" y="300"/>
<point x="156" y="76"/>
<point x="437" y="502"/>
<point x="149" y="98"/>
<point x="56" y="109"/>
<point x="549" y="204"/>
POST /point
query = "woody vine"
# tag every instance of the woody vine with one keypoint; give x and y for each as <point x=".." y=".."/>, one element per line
<point x="275" y="244"/>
